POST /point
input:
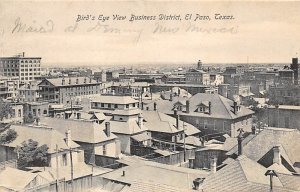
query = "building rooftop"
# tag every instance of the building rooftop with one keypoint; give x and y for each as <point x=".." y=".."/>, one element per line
<point x="81" y="130"/>
<point x="69" y="81"/>
<point x="43" y="135"/>
<point x="114" y="99"/>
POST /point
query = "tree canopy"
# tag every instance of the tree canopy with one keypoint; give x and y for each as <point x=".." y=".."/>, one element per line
<point x="30" y="154"/>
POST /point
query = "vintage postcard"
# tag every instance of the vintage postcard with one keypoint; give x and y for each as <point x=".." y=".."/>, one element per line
<point x="151" y="96"/>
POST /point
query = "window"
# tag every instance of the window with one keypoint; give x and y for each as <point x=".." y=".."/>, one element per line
<point x="102" y="104"/>
<point x="109" y="105"/>
<point x="104" y="149"/>
<point x="64" y="159"/>
<point x="116" y="106"/>
<point x="127" y="106"/>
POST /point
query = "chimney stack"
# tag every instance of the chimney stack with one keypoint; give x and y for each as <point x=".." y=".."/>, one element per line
<point x="78" y="115"/>
<point x="277" y="157"/>
<point x="240" y="138"/>
<point x="107" y="129"/>
<point x="142" y="105"/>
<point x="178" y="91"/>
<point x="177" y="118"/>
<point x="123" y="173"/>
<point x="68" y="138"/>
<point x="187" y="106"/>
<point x="234" y="107"/>
<point x="23" y="54"/>
<point x="140" y="121"/>
<point x="209" y="108"/>
<point x="253" y="129"/>
<point x="69" y="81"/>
<point x="213" y="165"/>
<point x="90" y="80"/>
<point x="155" y="106"/>
<point x="171" y="96"/>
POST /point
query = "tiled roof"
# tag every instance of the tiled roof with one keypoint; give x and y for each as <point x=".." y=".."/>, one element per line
<point x="160" y="122"/>
<point x="81" y="130"/>
<point x="41" y="134"/>
<point x="288" y="139"/>
<point x="242" y="174"/>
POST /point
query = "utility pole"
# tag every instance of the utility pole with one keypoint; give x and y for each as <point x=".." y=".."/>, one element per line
<point x="184" y="152"/>
<point x="57" y="175"/>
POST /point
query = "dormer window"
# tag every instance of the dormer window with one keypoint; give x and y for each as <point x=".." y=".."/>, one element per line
<point x="203" y="107"/>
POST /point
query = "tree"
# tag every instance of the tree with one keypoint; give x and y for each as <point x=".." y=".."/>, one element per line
<point x="29" y="118"/>
<point x="7" y="135"/>
<point x="32" y="155"/>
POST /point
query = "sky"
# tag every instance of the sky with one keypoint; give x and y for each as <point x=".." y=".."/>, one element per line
<point x="258" y="32"/>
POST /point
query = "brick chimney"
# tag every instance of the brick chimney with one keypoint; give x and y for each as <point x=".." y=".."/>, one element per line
<point x="209" y="108"/>
<point x="107" y="129"/>
<point x="140" y="121"/>
<point x="68" y="138"/>
<point x="213" y="165"/>
<point x="240" y="138"/>
<point x="187" y="106"/>
<point x="276" y="153"/>
<point x="155" y="106"/>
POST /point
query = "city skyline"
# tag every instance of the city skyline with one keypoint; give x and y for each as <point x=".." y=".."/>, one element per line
<point x="267" y="35"/>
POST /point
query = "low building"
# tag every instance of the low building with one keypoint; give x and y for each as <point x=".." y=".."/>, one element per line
<point x="284" y="95"/>
<point x="94" y="138"/>
<point x="9" y="87"/>
<point x="44" y="135"/>
<point x="29" y="92"/>
<point x="196" y="76"/>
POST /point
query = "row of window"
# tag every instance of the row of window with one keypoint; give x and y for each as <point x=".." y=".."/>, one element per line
<point x="109" y="105"/>
<point x="26" y="74"/>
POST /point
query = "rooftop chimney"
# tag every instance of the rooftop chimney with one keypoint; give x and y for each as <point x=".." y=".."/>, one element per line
<point x="187" y="106"/>
<point x="140" y="121"/>
<point x="23" y="54"/>
<point x="240" y="138"/>
<point x="234" y="107"/>
<point x="178" y="91"/>
<point x="171" y="96"/>
<point x="213" y="165"/>
<point x="63" y="81"/>
<point x="123" y="173"/>
<point x="155" y="106"/>
<point x="78" y="115"/>
<point x="177" y="118"/>
<point x="276" y="153"/>
<point x="209" y="108"/>
<point x="142" y="105"/>
<point x="253" y="129"/>
<point x="90" y="80"/>
<point x="69" y="81"/>
<point x="107" y="129"/>
<point x="68" y="138"/>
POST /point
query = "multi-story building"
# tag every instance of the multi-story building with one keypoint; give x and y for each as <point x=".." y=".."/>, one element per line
<point x="196" y="76"/>
<point x="284" y="95"/>
<point x="25" y="68"/>
<point x="213" y="114"/>
<point x="8" y="87"/>
<point x="63" y="90"/>
<point x="29" y="92"/>
<point x="285" y="116"/>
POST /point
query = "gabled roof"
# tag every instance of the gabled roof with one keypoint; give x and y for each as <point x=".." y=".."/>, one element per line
<point x="288" y="139"/>
<point x="81" y="130"/>
<point x="18" y="180"/>
<point x="242" y="174"/>
<point x="41" y="134"/>
<point x="160" y="122"/>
